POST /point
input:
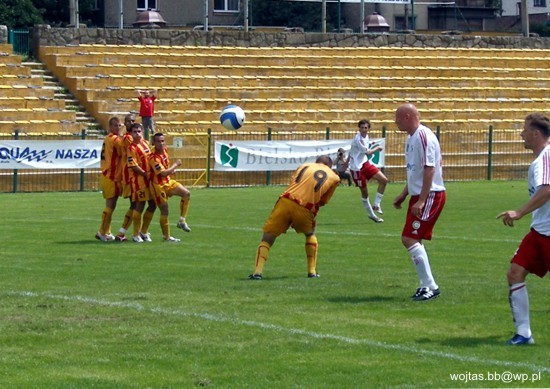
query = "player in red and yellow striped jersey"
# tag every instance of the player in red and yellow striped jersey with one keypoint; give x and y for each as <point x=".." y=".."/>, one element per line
<point x="163" y="186"/>
<point x="138" y="165"/>
<point x="126" y="186"/>
<point x="311" y="187"/>
<point x="111" y="175"/>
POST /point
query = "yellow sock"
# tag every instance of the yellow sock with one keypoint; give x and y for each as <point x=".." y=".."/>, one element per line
<point x="184" y="207"/>
<point x="165" y="226"/>
<point x="311" y="252"/>
<point x="106" y="217"/>
<point x="261" y="257"/>
<point x="127" y="219"/>
<point x="147" y="217"/>
<point x="136" y="216"/>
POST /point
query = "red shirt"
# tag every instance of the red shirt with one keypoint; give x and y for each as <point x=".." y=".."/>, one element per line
<point x="147" y="106"/>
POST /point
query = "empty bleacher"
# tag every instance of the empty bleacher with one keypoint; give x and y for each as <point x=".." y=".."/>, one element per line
<point x="460" y="91"/>
<point x="306" y="88"/>
<point x="27" y="105"/>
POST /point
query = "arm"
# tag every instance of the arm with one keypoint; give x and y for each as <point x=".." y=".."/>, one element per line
<point x="401" y="197"/>
<point x="171" y="169"/>
<point x="370" y="152"/>
<point x="427" y="179"/>
<point x="538" y="200"/>
<point x="139" y="171"/>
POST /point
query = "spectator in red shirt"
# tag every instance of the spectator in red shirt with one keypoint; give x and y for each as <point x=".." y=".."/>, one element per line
<point x="147" y="110"/>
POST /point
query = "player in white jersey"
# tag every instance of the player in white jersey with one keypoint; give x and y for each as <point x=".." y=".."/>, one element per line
<point x="425" y="185"/>
<point x="533" y="254"/>
<point x="362" y="170"/>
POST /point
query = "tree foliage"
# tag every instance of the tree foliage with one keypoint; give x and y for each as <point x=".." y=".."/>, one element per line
<point x="19" y="13"/>
<point x="27" y="13"/>
<point x="286" y="13"/>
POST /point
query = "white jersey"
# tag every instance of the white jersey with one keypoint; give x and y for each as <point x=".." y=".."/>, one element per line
<point x="358" y="152"/>
<point x="422" y="149"/>
<point x="539" y="174"/>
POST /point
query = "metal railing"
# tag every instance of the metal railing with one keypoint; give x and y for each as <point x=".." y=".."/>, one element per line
<point x="484" y="154"/>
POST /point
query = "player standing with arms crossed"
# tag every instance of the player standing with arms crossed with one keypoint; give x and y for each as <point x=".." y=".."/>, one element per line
<point x="533" y="254"/>
<point x="427" y="190"/>
<point x="311" y="187"/>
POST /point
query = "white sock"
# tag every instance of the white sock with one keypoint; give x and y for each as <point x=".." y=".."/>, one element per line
<point x="367" y="206"/>
<point x="519" y="304"/>
<point x="421" y="263"/>
<point x="122" y="230"/>
<point x="378" y="199"/>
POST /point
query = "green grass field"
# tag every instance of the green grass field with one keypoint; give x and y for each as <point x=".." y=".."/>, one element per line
<point x="75" y="312"/>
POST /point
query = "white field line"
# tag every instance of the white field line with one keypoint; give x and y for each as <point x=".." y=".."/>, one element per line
<point x="291" y="331"/>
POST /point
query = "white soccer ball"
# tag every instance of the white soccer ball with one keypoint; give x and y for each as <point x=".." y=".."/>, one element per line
<point x="232" y="117"/>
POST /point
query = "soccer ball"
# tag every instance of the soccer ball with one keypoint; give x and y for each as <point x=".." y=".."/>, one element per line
<point x="232" y="117"/>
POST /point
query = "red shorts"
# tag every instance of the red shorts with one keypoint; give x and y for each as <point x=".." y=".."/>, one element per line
<point x="368" y="170"/>
<point x="422" y="227"/>
<point x="533" y="253"/>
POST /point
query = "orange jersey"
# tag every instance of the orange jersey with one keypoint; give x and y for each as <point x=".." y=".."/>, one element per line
<point x="313" y="184"/>
<point x="158" y="163"/>
<point x="111" y="157"/>
<point x="138" y="155"/>
<point x="126" y="142"/>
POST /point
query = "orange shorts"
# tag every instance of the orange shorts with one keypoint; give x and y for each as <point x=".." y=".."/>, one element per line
<point x="109" y="187"/>
<point x="161" y="193"/>
<point x="141" y="194"/>
<point x="126" y="190"/>
<point x="287" y="213"/>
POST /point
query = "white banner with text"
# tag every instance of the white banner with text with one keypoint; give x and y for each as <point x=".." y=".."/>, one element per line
<point x="50" y="154"/>
<point x="281" y="155"/>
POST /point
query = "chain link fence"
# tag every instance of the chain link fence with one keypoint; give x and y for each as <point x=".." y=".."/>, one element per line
<point x="484" y="154"/>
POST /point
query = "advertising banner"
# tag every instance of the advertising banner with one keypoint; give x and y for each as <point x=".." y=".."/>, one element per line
<point x="50" y="154"/>
<point x="242" y="156"/>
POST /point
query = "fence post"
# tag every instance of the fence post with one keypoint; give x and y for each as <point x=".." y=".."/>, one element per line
<point x="209" y="154"/>
<point x="268" y="173"/>
<point x="386" y="146"/>
<point x="15" y="171"/>
<point x="490" y="155"/>
<point x="327" y="133"/>
<point x="438" y="132"/>
<point x="83" y="137"/>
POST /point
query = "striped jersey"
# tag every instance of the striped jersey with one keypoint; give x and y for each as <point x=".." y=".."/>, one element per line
<point x="539" y="174"/>
<point x="111" y="157"/>
<point x="421" y="150"/>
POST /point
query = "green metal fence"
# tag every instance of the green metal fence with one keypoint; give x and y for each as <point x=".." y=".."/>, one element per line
<point x="21" y="42"/>
<point x="484" y="154"/>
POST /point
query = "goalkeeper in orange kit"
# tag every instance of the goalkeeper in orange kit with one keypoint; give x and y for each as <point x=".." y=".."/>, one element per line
<point x="311" y="187"/>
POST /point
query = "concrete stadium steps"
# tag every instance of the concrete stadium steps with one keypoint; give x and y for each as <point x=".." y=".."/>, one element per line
<point x="302" y="87"/>
<point x="30" y="102"/>
<point x="14" y="70"/>
<point x="36" y="126"/>
<point x="121" y="50"/>
<point x="139" y="69"/>
<point x="359" y="104"/>
<point x="504" y="59"/>
<point x="252" y="82"/>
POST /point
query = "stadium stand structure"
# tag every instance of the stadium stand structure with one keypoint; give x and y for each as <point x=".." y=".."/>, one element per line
<point x="304" y="88"/>
<point x="31" y="102"/>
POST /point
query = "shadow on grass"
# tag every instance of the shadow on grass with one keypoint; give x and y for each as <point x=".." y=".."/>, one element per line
<point x="360" y="300"/>
<point x="465" y="341"/>
<point x="265" y="279"/>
